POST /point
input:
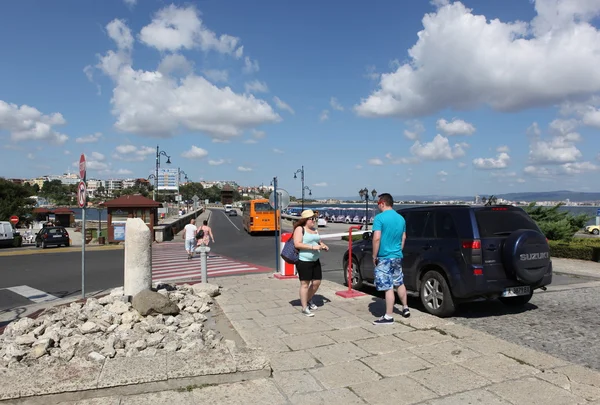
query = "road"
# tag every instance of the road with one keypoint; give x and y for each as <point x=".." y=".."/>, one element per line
<point x="562" y="321"/>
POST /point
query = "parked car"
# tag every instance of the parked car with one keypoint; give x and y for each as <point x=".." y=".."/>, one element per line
<point x="52" y="236"/>
<point x="454" y="254"/>
<point x="593" y="229"/>
<point x="7" y="233"/>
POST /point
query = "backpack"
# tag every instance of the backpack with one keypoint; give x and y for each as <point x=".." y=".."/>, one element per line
<point x="200" y="234"/>
<point x="289" y="253"/>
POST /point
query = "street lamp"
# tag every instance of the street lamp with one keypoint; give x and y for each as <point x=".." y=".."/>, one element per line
<point x="301" y="171"/>
<point x="364" y="193"/>
<point x="159" y="153"/>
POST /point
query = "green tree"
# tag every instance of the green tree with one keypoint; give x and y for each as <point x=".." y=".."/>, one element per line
<point x="188" y="190"/>
<point x="14" y="200"/>
<point x="56" y="192"/>
<point x="557" y="224"/>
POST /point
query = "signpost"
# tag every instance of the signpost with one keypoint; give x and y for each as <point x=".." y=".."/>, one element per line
<point x="14" y="220"/>
<point x="81" y="200"/>
<point x="279" y="199"/>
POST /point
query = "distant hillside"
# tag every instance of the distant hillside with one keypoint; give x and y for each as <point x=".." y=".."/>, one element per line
<point x="561" y="195"/>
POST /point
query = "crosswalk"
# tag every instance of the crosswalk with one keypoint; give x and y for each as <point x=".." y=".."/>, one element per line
<point x="170" y="263"/>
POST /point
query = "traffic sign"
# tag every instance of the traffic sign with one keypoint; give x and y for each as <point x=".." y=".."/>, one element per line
<point x="14" y="220"/>
<point x="283" y="199"/>
<point x="81" y="194"/>
<point x="82" y="166"/>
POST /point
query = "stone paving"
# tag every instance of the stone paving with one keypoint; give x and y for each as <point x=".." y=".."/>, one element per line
<point x="339" y="357"/>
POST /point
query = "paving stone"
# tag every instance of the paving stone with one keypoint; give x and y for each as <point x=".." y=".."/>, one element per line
<point x="296" y="360"/>
<point x="384" y="330"/>
<point x="231" y="308"/>
<point x="578" y="380"/>
<point x="423" y="337"/>
<point x="449" y="379"/>
<point x="381" y="344"/>
<point x="444" y="353"/>
<point x="76" y="376"/>
<point x="396" y="363"/>
<point x="276" y="320"/>
<point x="480" y="396"/>
<point x="307" y="341"/>
<point x="344" y="374"/>
<point x="337" y="353"/>
<point x="134" y="370"/>
<point x="245" y="324"/>
<point x="254" y="306"/>
<point x="301" y="328"/>
<point x="296" y="382"/>
<point x="399" y="390"/>
<point x="341" y="396"/>
<point x="158" y="398"/>
<point x="349" y="335"/>
<point x="532" y="391"/>
<point x="255" y="392"/>
<point x="238" y="316"/>
<point x="498" y="367"/>
<point x="346" y="322"/>
<point x="286" y="310"/>
<point x="202" y="362"/>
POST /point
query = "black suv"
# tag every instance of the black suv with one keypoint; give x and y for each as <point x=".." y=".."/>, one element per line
<point x="457" y="253"/>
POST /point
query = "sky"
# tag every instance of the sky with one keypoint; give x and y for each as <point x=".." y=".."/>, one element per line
<point x="406" y="97"/>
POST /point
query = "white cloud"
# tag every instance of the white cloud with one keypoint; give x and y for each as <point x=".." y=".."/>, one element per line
<point x="283" y="105"/>
<point x="153" y="104"/>
<point x="258" y="134"/>
<point x="442" y="173"/>
<point x="95" y="161"/>
<point x="499" y="162"/>
<point x="520" y="180"/>
<point x="26" y="123"/>
<point x="375" y="162"/>
<point x="124" y="172"/>
<point x="358" y="167"/>
<point x="96" y="156"/>
<point x="250" y="66"/>
<point x="30" y="156"/>
<point x="438" y="149"/>
<point x="119" y="32"/>
<point x="219" y="140"/>
<point x="371" y="73"/>
<point x="476" y="61"/>
<point x="502" y="148"/>
<point x="195" y="153"/>
<point x="279" y="151"/>
<point x="401" y="160"/>
<point x="175" y="63"/>
<point x="92" y="138"/>
<point x="456" y="127"/>
<point x="216" y="75"/>
<point x="559" y="149"/>
<point x="324" y="115"/>
<point x="244" y="169"/>
<point x="565" y="169"/>
<point x="130" y="3"/>
<point x="322" y="184"/>
<point x="174" y="28"/>
<point x="67" y="152"/>
<point x="132" y="153"/>
<point x="462" y="164"/>
<point x="579" y="167"/>
<point x="416" y="130"/>
<point x="216" y="162"/>
<point x="250" y="141"/>
<point x="256" y="86"/>
<point x="335" y="104"/>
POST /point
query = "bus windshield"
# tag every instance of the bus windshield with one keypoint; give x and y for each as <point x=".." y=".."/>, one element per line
<point x="263" y="207"/>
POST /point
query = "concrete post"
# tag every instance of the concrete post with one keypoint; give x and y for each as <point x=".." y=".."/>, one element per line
<point x="138" y="257"/>
<point x="204" y="250"/>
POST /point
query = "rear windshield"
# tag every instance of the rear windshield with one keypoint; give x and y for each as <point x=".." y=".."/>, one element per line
<point x="502" y="222"/>
<point x="263" y="207"/>
<point x="57" y="231"/>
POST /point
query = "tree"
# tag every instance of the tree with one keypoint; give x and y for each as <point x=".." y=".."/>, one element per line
<point x="55" y="191"/>
<point x="189" y="190"/>
<point x="556" y="224"/>
<point x="14" y="200"/>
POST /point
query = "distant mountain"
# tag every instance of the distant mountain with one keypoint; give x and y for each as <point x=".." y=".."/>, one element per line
<point x="560" y="195"/>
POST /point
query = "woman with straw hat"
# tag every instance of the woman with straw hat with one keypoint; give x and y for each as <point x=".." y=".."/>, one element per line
<point x="309" y="245"/>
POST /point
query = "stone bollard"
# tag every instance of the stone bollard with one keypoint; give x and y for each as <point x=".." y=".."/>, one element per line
<point x="203" y="249"/>
<point x="138" y="257"/>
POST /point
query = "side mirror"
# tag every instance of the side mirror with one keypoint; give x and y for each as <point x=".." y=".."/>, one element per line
<point x="367" y="236"/>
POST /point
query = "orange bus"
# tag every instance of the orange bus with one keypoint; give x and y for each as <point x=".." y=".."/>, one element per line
<point x="258" y="216"/>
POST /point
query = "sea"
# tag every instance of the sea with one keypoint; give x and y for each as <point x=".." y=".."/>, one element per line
<point x="95" y="214"/>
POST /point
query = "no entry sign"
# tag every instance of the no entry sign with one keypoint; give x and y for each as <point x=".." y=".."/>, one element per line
<point x="82" y="167"/>
<point x="14" y="220"/>
<point x="81" y="194"/>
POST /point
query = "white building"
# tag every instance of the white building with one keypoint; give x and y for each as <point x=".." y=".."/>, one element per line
<point x="128" y="183"/>
<point x="65" y="178"/>
<point x="114" y="185"/>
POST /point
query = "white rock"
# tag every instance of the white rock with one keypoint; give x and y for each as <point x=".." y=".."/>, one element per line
<point x="138" y="257"/>
<point x="20" y="327"/>
<point x="210" y="289"/>
<point x="172" y="346"/>
<point x="26" y="340"/>
<point x="154" y="339"/>
<point x="38" y="351"/>
<point x="130" y="317"/>
<point x="171" y="320"/>
<point x="117" y="292"/>
<point x="39" y="330"/>
<point x="95" y="356"/>
<point x="75" y="306"/>
<point x="140" y="344"/>
<point x="191" y="310"/>
<point x="204" y="309"/>
<point x="163" y="292"/>
<point x="198" y="317"/>
<point x="13" y="352"/>
<point x="118" y="307"/>
<point x="111" y="328"/>
<point x="107" y="299"/>
<point x="89" y="327"/>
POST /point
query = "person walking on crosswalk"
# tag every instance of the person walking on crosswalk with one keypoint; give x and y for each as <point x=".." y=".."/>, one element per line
<point x="189" y="235"/>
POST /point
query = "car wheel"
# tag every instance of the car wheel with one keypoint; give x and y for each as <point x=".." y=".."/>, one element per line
<point x="357" y="280"/>
<point x="596" y="231"/>
<point x="436" y="295"/>
<point x="516" y="301"/>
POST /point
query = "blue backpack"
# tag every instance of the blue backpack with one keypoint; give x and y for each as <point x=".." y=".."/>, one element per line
<point x="289" y="253"/>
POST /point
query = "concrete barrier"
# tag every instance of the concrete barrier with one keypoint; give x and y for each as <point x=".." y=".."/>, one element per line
<point x="166" y="230"/>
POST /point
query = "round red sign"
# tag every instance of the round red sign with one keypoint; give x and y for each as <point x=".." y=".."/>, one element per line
<point x="82" y="166"/>
<point x="14" y="220"/>
<point x="81" y="194"/>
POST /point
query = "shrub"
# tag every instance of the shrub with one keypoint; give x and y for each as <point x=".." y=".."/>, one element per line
<point x="354" y="237"/>
<point x="555" y="224"/>
<point x="579" y="249"/>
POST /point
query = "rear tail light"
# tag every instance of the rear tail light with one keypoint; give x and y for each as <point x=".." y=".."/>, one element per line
<point x="500" y="209"/>
<point x="471" y="244"/>
<point x="472" y="252"/>
<point x="477" y="271"/>
<point x="45" y="235"/>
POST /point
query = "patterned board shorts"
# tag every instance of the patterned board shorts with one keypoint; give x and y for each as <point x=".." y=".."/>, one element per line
<point x="388" y="274"/>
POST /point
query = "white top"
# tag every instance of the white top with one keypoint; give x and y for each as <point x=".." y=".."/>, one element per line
<point x="190" y="232"/>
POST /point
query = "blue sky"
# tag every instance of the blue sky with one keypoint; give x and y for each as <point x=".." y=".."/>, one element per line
<point x="441" y="97"/>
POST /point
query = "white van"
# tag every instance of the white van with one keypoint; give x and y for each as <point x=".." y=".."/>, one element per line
<point x="6" y="233"/>
<point x="228" y="207"/>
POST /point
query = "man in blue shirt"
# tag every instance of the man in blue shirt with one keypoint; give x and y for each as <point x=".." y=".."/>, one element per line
<point x="389" y="234"/>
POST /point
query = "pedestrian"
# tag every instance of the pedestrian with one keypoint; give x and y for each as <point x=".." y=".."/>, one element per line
<point x="189" y="235"/>
<point x="208" y="234"/>
<point x="309" y="245"/>
<point x="389" y="235"/>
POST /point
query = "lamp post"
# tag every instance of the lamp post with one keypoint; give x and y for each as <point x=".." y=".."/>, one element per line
<point x="159" y="153"/>
<point x="301" y="171"/>
<point x="364" y="193"/>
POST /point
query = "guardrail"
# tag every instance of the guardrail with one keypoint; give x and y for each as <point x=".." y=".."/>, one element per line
<point x="166" y="231"/>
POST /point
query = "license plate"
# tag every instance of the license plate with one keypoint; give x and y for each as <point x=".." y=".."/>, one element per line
<point x="265" y="229"/>
<point x="57" y="236"/>
<point x="516" y="291"/>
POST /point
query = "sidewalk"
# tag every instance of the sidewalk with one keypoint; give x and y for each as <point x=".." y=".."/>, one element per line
<point x="339" y="357"/>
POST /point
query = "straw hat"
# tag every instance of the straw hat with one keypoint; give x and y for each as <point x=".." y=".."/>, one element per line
<point x="307" y="214"/>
